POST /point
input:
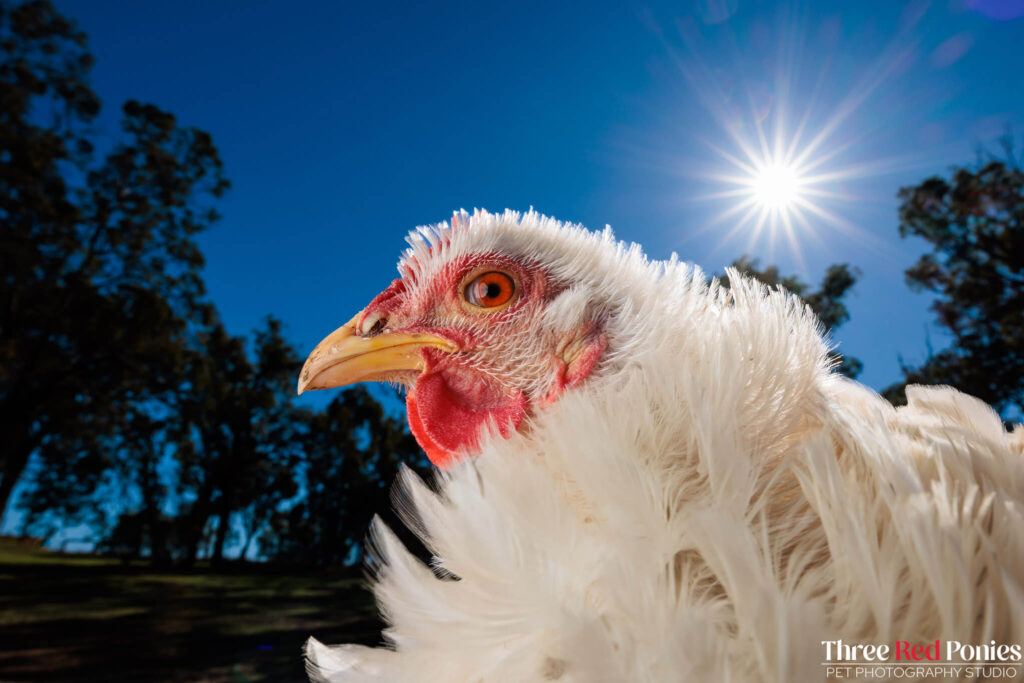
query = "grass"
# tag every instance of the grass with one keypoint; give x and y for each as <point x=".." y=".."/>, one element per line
<point x="84" y="618"/>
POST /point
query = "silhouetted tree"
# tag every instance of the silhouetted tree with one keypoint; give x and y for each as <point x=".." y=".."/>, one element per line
<point x="352" y="453"/>
<point x="826" y="301"/>
<point x="974" y="223"/>
<point x="99" y="265"/>
<point x="245" y="430"/>
<point x="146" y="439"/>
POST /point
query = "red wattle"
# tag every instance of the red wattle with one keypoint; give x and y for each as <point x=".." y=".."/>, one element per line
<point x="449" y="409"/>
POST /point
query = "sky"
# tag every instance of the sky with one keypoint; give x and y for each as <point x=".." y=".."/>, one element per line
<point x="344" y="125"/>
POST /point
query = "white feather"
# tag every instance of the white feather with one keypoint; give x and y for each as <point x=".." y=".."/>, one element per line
<point x="711" y="505"/>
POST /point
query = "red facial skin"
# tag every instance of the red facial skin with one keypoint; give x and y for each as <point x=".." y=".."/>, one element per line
<point x="449" y="408"/>
<point x="453" y="400"/>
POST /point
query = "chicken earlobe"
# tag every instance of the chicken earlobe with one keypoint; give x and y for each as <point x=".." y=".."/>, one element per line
<point x="577" y="356"/>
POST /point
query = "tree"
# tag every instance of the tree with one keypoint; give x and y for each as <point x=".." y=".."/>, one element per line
<point x="352" y="452"/>
<point x="100" y="268"/>
<point x="826" y="301"/>
<point x="244" y="427"/>
<point x="974" y="223"/>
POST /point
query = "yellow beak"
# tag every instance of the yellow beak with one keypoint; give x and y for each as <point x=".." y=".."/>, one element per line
<point x="344" y="357"/>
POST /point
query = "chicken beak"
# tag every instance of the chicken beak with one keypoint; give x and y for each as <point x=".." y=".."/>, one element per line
<point x="344" y="357"/>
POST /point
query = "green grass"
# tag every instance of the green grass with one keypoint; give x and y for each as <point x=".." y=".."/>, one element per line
<point x="82" y="618"/>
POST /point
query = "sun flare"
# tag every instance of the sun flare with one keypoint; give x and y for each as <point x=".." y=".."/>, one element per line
<point x="776" y="186"/>
<point x="781" y="188"/>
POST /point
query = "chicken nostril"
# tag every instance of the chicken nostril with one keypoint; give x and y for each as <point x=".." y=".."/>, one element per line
<point x="372" y="325"/>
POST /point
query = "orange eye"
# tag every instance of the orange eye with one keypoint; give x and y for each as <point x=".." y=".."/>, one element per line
<point x="490" y="290"/>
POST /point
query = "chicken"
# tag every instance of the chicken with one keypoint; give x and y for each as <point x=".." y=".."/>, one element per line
<point x="644" y="477"/>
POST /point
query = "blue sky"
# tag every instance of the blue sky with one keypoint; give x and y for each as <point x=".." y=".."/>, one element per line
<point x="344" y="125"/>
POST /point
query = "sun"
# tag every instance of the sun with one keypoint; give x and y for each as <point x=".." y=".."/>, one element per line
<point x="780" y="188"/>
<point x="776" y="186"/>
<point x="783" y="143"/>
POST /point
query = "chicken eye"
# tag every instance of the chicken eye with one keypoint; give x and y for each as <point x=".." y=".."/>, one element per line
<point x="490" y="290"/>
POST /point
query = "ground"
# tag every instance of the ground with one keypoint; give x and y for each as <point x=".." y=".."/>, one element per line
<point x="83" y="618"/>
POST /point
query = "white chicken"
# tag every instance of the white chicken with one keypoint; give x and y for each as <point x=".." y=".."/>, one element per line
<point x="648" y="478"/>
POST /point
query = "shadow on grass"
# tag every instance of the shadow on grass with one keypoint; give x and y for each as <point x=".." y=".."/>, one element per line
<point x="99" y="621"/>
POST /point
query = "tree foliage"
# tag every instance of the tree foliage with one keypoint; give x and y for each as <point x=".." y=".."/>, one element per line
<point x="826" y="301"/>
<point x="243" y="431"/>
<point x="100" y="268"/>
<point x="973" y="223"/>
<point x="351" y="454"/>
